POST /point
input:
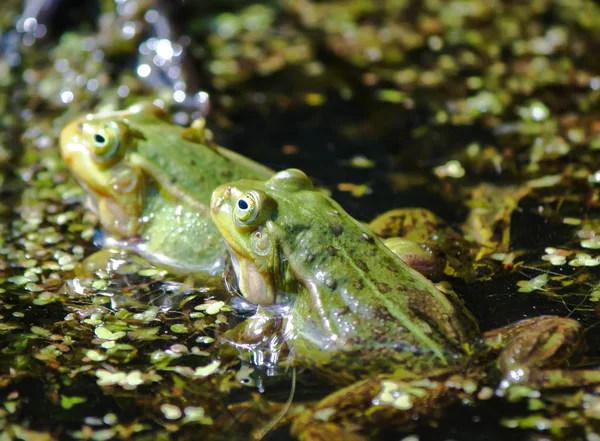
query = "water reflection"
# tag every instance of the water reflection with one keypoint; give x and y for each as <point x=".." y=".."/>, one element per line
<point x="139" y="29"/>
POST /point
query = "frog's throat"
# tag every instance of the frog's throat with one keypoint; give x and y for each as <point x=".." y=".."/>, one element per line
<point x="118" y="213"/>
<point x="255" y="287"/>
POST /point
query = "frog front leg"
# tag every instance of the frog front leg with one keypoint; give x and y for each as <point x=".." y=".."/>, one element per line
<point x="260" y="340"/>
<point x="532" y="352"/>
<point x="357" y="410"/>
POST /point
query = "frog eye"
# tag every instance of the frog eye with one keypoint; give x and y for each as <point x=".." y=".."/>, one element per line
<point x="246" y="208"/>
<point x="106" y="141"/>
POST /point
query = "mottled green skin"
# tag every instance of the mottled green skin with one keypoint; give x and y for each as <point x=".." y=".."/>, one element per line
<point x="152" y="192"/>
<point x="194" y="168"/>
<point x="357" y="308"/>
<point x="360" y="316"/>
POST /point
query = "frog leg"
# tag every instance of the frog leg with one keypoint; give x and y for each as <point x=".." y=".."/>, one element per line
<point x="260" y="340"/>
<point x="532" y="352"/>
<point x="414" y="255"/>
<point x="372" y="404"/>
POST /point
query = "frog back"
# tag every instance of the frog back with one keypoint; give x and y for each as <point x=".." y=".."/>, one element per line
<point x="186" y="168"/>
<point x="360" y="300"/>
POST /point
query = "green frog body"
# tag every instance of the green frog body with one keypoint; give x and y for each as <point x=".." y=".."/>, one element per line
<point x="361" y="317"/>
<point x="150" y="183"/>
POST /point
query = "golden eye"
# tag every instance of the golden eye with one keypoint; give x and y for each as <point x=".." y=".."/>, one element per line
<point x="106" y="141"/>
<point x="246" y="208"/>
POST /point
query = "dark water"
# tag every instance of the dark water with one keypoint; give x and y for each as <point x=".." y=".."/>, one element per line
<point x="400" y="140"/>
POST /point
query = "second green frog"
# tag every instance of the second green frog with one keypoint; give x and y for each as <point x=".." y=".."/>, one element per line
<point x="150" y="183"/>
<point x="352" y="311"/>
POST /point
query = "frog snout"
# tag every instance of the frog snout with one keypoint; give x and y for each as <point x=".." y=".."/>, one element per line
<point x="70" y="142"/>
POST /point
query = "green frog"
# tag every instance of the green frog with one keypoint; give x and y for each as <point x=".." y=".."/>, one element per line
<point x="150" y="183"/>
<point x="354" y="312"/>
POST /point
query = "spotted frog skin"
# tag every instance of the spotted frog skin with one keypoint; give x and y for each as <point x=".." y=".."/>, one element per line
<point x="150" y="182"/>
<point x="361" y="317"/>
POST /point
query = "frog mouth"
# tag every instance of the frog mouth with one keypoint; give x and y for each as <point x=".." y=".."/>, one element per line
<point x="253" y="285"/>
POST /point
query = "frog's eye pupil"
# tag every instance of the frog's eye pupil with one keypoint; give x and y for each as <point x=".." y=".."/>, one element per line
<point x="242" y="204"/>
<point x="99" y="139"/>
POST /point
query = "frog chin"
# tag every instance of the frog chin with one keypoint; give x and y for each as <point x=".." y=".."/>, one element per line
<point x="252" y="284"/>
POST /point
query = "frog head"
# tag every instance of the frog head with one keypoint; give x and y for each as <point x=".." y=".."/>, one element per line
<point x="247" y="213"/>
<point x="96" y="148"/>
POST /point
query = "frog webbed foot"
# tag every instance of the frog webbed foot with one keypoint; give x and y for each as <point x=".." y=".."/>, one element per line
<point x="534" y="351"/>
<point x="198" y="133"/>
